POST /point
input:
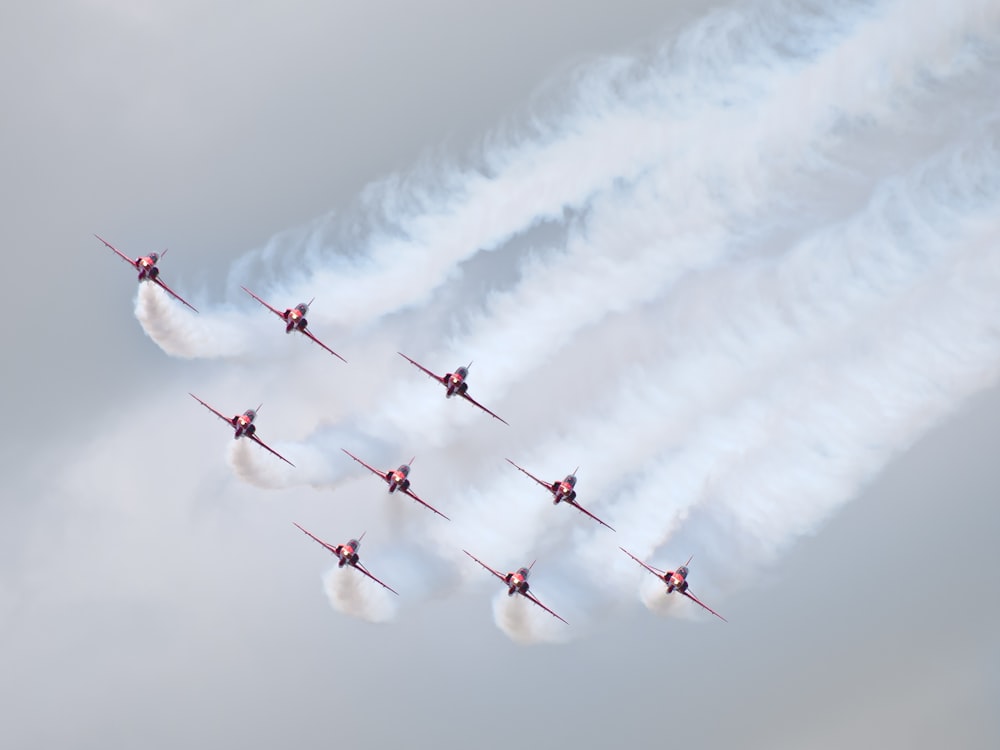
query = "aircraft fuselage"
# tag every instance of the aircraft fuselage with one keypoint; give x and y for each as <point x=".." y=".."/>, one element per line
<point x="147" y="267"/>
<point x="244" y="424"/>
<point x="455" y="381"/>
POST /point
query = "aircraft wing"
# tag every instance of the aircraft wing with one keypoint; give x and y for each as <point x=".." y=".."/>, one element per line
<point x="528" y="595"/>
<point x="267" y="447"/>
<point x="372" y="469"/>
<point x="172" y="293"/>
<point x="334" y="548"/>
<point x="583" y="510"/>
<point x="439" y="378"/>
<point x="546" y="485"/>
<point x="363" y="569"/>
<point x="471" y="400"/>
<point x="426" y="505"/>
<point x="309" y="335"/>
<point x="276" y="312"/>
<point x="702" y="604"/>
<point x="219" y="414"/>
<point x="118" y="252"/>
<point x="494" y="572"/>
<point x="655" y="571"/>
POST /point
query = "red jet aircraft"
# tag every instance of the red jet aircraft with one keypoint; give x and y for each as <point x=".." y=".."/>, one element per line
<point x="517" y="583"/>
<point x="397" y="479"/>
<point x="146" y="266"/>
<point x="347" y="554"/>
<point x="295" y="320"/>
<point x="455" y="384"/>
<point x="676" y="580"/>
<point x="563" y="491"/>
<point x="243" y="423"/>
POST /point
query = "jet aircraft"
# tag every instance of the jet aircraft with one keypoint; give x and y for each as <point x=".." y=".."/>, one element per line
<point x="516" y="582"/>
<point x="244" y="426"/>
<point x="347" y="554"/>
<point x="148" y="270"/>
<point x="454" y="383"/>
<point x="562" y="491"/>
<point x="397" y="479"/>
<point x="676" y="580"/>
<point x="295" y="320"/>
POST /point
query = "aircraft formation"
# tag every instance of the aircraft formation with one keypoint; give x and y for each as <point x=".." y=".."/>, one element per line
<point x="398" y="479"/>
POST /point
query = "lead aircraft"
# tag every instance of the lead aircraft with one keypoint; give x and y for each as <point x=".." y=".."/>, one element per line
<point x="295" y="320"/>
<point x="347" y="554"/>
<point x="455" y="384"/>
<point x="244" y="426"/>
<point x="397" y="479"/>
<point x="148" y="270"/>
<point x="676" y="580"/>
<point x="564" y="491"/>
<point x="516" y="582"/>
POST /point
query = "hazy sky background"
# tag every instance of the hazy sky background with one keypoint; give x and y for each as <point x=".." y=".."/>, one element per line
<point x="737" y="261"/>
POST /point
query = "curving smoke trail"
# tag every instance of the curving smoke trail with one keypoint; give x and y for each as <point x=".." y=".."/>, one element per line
<point x="522" y="622"/>
<point x="182" y="333"/>
<point x="776" y="268"/>
<point x="353" y="594"/>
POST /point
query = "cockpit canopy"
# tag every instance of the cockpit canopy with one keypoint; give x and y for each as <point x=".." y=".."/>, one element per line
<point x="302" y="307"/>
<point x="570" y="480"/>
<point x="404" y="469"/>
<point x="462" y="372"/>
<point x="682" y="571"/>
<point x="523" y="572"/>
<point x="154" y="257"/>
<point x="353" y="544"/>
<point x="250" y="414"/>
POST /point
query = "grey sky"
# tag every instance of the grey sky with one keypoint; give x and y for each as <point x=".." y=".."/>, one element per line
<point x="150" y="597"/>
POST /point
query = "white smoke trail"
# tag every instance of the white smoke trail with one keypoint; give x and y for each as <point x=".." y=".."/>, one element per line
<point x="629" y="116"/>
<point x="183" y="333"/>
<point x="562" y="309"/>
<point x="245" y="465"/>
<point x="525" y="623"/>
<point x="354" y="594"/>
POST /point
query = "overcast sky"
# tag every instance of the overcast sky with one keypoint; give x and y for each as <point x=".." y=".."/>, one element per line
<point x="738" y="262"/>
